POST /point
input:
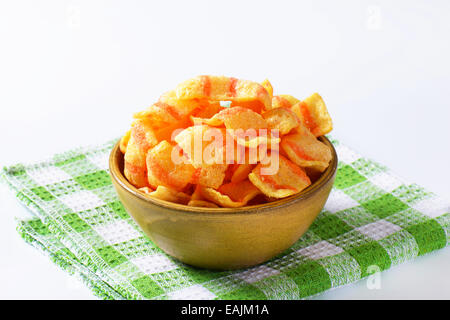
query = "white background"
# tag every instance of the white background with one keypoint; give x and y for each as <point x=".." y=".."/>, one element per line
<point x="72" y="73"/>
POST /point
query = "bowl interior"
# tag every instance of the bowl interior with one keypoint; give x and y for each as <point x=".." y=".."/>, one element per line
<point x="116" y="165"/>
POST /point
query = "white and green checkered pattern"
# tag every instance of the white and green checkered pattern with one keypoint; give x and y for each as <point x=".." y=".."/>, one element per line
<point x="372" y="218"/>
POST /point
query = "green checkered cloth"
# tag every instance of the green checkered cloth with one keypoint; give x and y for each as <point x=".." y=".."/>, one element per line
<point x="373" y="220"/>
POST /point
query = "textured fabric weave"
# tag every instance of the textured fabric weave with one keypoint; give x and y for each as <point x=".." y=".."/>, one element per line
<point x="373" y="220"/>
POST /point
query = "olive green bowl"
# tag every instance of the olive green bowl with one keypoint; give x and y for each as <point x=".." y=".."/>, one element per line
<point x="224" y="238"/>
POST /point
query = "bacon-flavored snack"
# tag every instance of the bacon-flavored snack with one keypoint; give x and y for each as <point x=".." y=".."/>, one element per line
<point x="206" y="154"/>
<point x="142" y="139"/>
<point x="281" y="119"/>
<point x="239" y="172"/>
<point x="268" y="86"/>
<point x="303" y="148"/>
<point x="163" y="171"/>
<point x="314" y="115"/>
<point x="289" y="179"/>
<point x="216" y="141"/>
<point x="284" y="101"/>
<point x="168" y="194"/>
<point x="247" y="127"/>
<point x="244" y="93"/>
<point x="124" y="141"/>
<point x="231" y="195"/>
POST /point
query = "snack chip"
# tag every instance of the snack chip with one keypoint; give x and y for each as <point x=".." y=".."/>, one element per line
<point x="231" y="195"/>
<point x="218" y="88"/>
<point x="247" y="127"/>
<point x="268" y="86"/>
<point x="288" y="180"/>
<point x="239" y="172"/>
<point x="143" y="135"/>
<point x="135" y="169"/>
<point x="284" y="101"/>
<point x="124" y="141"/>
<point x="236" y="118"/>
<point x="281" y="119"/>
<point x="163" y="171"/>
<point x="216" y="141"/>
<point x="206" y="155"/>
<point x="202" y="144"/>
<point x="158" y="115"/>
<point x="210" y="175"/>
<point x="314" y="115"/>
<point x="242" y="191"/>
<point x="141" y="139"/>
<point x="305" y="150"/>
<point x="168" y="194"/>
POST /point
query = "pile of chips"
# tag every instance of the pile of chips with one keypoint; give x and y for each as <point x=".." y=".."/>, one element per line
<point x="217" y="141"/>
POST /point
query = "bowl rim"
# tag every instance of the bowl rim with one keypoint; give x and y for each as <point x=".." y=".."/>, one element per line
<point x="325" y="177"/>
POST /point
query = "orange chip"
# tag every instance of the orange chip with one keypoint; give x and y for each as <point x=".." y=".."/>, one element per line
<point x="247" y="127"/>
<point x="158" y="115"/>
<point x="281" y="119"/>
<point x="212" y="175"/>
<point x="213" y="121"/>
<point x="190" y="148"/>
<point x="241" y="118"/>
<point x="179" y="109"/>
<point x="141" y="140"/>
<point x="204" y="147"/>
<point x="236" y="118"/>
<point x="143" y="135"/>
<point x="167" y="167"/>
<point x="249" y="139"/>
<point x="202" y="203"/>
<point x="134" y="172"/>
<point x="161" y="124"/>
<point x="168" y="109"/>
<point x="168" y="194"/>
<point x="288" y="179"/>
<point x="207" y="109"/>
<point x="239" y="172"/>
<point x="231" y="195"/>
<point x="169" y="114"/>
<point x="242" y="191"/>
<point x="182" y="109"/>
<point x="284" y="101"/>
<point x="124" y="141"/>
<point x="202" y="144"/>
<point x="251" y="155"/>
<point x="314" y="115"/>
<point x="268" y="86"/>
<point x="218" y="198"/>
<point x="305" y="150"/>
<point x="220" y="88"/>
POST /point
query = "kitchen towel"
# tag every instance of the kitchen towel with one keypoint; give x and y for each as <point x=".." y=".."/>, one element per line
<point x="372" y="221"/>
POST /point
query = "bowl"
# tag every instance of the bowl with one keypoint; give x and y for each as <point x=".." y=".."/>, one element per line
<point x="224" y="238"/>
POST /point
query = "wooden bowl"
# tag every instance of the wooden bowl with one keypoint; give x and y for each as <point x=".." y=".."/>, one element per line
<point x="224" y="238"/>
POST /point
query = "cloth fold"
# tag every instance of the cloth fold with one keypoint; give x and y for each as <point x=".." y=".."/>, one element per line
<point x="372" y="221"/>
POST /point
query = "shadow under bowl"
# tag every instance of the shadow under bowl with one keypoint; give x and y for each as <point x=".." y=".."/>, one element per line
<point x="224" y="238"/>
